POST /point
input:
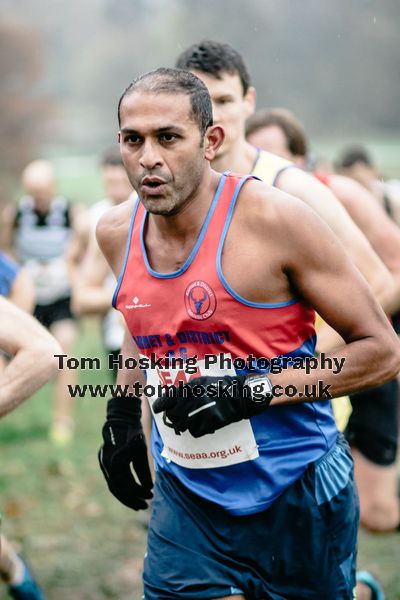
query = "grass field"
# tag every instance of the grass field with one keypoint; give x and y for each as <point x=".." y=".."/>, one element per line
<point x="82" y="544"/>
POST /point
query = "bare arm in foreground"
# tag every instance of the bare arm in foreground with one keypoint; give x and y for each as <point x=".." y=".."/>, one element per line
<point x="32" y="350"/>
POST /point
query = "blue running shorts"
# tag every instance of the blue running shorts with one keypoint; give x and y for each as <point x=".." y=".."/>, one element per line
<point x="301" y="547"/>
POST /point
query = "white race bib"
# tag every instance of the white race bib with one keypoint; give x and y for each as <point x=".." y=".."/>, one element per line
<point x="230" y="445"/>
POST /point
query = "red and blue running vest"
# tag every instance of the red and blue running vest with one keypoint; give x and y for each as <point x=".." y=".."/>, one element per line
<point x="193" y="312"/>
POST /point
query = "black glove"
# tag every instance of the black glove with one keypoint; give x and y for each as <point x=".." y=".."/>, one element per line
<point x="123" y="456"/>
<point x="208" y="403"/>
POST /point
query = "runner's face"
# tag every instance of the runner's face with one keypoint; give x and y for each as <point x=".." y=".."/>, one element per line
<point x="42" y="191"/>
<point x="161" y="150"/>
<point x="116" y="183"/>
<point x="272" y="139"/>
<point x="230" y="107"/>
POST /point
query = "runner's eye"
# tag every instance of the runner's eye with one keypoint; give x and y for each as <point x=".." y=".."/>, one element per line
<point x="223" y="101"/>
<point x="132" y="139"/>
<point x="168" y="137"/>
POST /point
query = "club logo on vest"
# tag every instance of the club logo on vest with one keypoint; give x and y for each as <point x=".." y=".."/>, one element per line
<point x="136" y="304"/>
<point x="200" y="300"/>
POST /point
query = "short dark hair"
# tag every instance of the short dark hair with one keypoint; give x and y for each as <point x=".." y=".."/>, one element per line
<point x="112" y="157"/>
<point x="293" y="130"/>
<point x="214" y="58"/>
<point x="176" y="81"/>
<point x="352" y="155"/>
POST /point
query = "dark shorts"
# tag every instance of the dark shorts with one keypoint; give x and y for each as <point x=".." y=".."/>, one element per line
<point x="48" y="314"/>
<point x="302" y="547"/>
<point x="373" y="427"/>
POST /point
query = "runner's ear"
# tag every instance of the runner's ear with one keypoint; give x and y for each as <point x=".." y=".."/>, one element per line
<point x="250" y="101"/>
<point x="213" y="139"/>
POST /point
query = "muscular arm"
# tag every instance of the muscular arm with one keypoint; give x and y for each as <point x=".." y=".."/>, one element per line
<point x="382" y="233"/>
<point x="321" y="199"/>
<point x="321" y="272"/>
<point x="32" y="349"/>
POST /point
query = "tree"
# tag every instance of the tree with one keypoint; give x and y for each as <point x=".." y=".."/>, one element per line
<point x="24" y="108"/>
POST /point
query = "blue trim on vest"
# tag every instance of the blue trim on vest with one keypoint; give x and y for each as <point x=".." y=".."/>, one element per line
<point x="196" y="247"/>
<point x="222" y="279"/>
<point x="258" y="152"/>
<point x="128" y="246"/>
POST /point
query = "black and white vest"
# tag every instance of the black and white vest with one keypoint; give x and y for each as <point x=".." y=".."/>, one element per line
<point x="41" y="242"/>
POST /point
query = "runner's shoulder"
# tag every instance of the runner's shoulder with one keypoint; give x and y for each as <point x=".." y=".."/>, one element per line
<point x="351" y="194"/>
<point x="112" y="227"/>
<point x="262" y="206"/>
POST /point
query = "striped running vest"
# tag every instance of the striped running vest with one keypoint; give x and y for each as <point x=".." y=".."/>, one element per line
<point x="268" y="167"/>
<point x="194" y="312"/>
<point x="40" y="244"/>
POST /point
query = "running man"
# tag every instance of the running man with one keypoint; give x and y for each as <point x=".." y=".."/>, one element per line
<point x="38" y="230"/>
<point x="373" y="427"/>
<point x="227" y="267"/>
